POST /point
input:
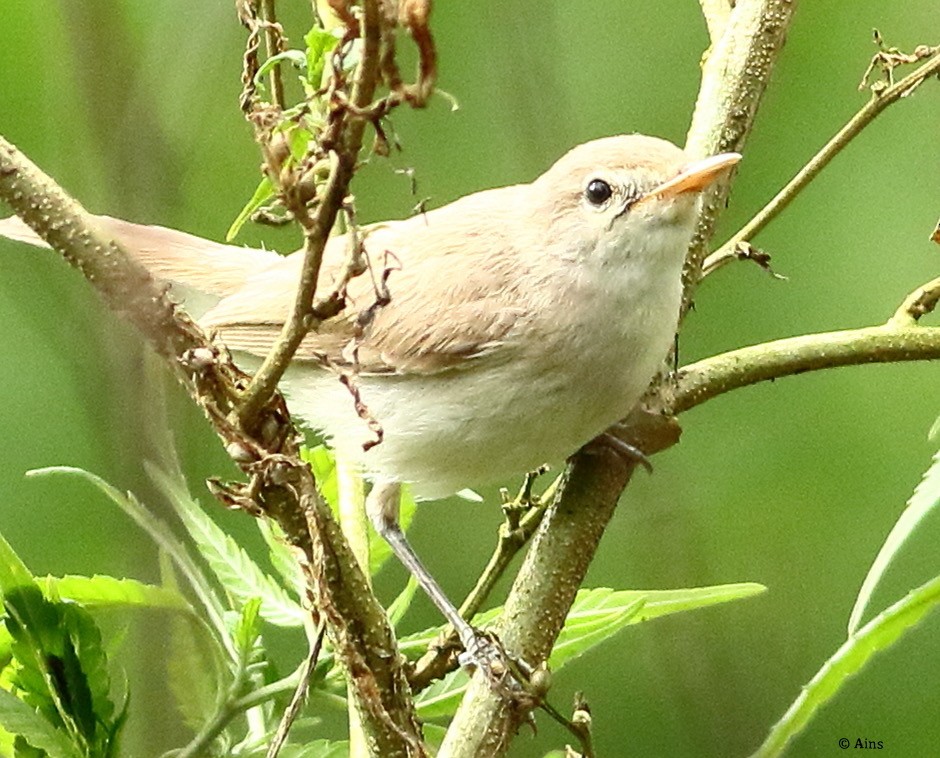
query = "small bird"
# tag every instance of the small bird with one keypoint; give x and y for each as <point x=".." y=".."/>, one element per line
<point x="520" y="322"/>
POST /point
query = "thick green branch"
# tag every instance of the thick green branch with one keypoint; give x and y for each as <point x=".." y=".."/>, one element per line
<point x="734" y="78"/>
<point x="714" y="376"/>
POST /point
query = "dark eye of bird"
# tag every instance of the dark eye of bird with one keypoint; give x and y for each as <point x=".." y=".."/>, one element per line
<point x="598" y="192"/>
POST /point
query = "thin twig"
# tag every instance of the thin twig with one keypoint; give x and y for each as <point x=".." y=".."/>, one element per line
<point x="880" y="100"/>
<point x="317" y="229"/>
<point x="919" y="303"/>
<point x="273" y="39"/>
<point x="300" y="694"/>
<point x="514" y="534"/>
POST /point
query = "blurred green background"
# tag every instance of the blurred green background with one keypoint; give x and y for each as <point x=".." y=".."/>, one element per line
<point x="133" y="108"/>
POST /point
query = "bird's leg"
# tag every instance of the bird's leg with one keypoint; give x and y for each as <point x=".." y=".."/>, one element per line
<point x="382" y="506"/>
<point x="611" y="441"/>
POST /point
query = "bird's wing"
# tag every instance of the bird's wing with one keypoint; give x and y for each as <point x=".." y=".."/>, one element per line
<point x="451" y="298"/>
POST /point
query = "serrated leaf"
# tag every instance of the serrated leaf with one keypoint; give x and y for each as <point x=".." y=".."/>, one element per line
<point x="323" y="464"/>
<point x="62" y="667"/>
<point x="158" y="531"/>
<point x="16" y="717"/>
<point x="608" y="602"/>
<point x="402" y="603"/>
<point x="100" y="591"/>
<point x="878" y="634"/>
<point x="319" y="44"/>
<point x="588" y="626"/>
<point x="193" y="682"/>
<point x="236" y="571"/>
<point x="247" y="630"/>
<point x="280" y="554"/>
<point x="926" y="497"/>
<point x="263" y="192"/>
<point x="441" y="698"/>
<point x="596" y="615"/>
<point x="13" y="572"/>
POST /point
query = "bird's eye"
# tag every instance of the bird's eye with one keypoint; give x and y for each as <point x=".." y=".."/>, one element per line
<point x="598" y="192"/>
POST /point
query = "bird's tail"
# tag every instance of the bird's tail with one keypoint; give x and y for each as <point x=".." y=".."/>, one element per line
<point x="189" y="262"/>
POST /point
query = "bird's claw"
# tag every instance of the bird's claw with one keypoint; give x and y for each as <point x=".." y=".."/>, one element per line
<point x="485" y="652"/>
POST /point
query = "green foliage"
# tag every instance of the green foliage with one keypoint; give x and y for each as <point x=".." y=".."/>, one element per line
<point x="596" y="616"/>
<point x="323" y="464"/>
<point x="262" y="194"/>
<point x="926" y="498"/>
<point x="60" y="671"/>
<point x="880" y="633"/>
<point x="238" y="574"/>
<point x="216" y="666"/>
<point x="108" y="592"/>
<point x="319" y="44"/>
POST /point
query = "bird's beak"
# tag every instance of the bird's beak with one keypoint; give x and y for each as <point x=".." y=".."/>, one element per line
<point x="694" y="176"/>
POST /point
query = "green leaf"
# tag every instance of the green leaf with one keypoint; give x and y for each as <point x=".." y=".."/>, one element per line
<point x="13" y="572"/>
<point x="263" y="192"/>
<point x="595" y="616"/>
<point x="234" y="568"/>
<point x="588" y="624"/>
<point x="161" y="534"/>
<point x="323" y="464"/>
<point x="16" y="717"/>
<point x="926" y="497"/>
<point x="606" y="605"/>
<point x="442" y="697"/>
<point x="248" y="628"/>
<point x="280" y="554"/>
<point x="319" y="44"/>
<point x="193" y="681"/>
<point x="62" y="668"/>
<point x="878" y="634"/>
<point x="402" y="603"/>
<point x="108" y="592"/>
<point x="294" y="57"/>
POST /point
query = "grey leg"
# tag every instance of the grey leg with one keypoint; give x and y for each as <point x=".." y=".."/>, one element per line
<point x="382" y="507"/>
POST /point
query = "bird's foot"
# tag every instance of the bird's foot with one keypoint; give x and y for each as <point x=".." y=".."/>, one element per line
<point x="609" y="441"/>
<point x="504" y="672"/>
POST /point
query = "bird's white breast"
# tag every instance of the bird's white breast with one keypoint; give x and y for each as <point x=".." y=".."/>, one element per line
<point x="584" y="359"/>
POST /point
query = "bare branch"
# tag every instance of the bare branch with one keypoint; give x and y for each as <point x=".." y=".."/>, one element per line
<point x="317" y="229"/>
<point x="716" y="13"/>
<point x="881" y="98"/>
<point x="797" y="355"/>
<point x="734" y="78"/>
<point x="919" y="303"/>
